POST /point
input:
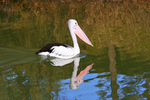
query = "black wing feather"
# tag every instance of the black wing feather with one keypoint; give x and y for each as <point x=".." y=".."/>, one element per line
<point x="48" y="47"/>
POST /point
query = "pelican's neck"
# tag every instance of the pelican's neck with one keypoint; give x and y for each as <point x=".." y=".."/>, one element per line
<point x="75" y="42"/>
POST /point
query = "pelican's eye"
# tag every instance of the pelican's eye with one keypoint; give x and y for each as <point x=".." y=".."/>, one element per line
<point x="75" y="23"/>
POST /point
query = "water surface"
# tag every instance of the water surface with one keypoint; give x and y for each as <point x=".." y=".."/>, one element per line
<point x="117" y="67"/>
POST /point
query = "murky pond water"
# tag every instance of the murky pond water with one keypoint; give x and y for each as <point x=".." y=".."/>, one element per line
<point x="117" y="67"/>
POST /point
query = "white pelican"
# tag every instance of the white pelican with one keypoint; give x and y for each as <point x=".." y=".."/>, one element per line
<point x="60" y="50"/>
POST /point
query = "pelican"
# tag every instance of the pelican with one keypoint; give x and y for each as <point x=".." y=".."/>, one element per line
<point x="60" y="50"/>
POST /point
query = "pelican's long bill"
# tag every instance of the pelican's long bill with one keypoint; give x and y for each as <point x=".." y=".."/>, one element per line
<point x="78" y="31"/>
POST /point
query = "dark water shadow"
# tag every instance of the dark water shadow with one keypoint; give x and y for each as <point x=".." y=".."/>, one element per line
<point x="113" y="71"/>
<point x="10" y="56"/>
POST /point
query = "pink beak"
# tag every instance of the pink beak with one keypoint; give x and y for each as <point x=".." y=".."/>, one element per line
<point x="78" y="31"/>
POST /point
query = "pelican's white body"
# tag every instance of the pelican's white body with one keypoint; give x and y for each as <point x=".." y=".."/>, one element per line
<point x="61" y="52"/>
<point x="66" y="51"/>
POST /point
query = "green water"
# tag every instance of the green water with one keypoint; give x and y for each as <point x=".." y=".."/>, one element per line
<point x="117" y="67"/>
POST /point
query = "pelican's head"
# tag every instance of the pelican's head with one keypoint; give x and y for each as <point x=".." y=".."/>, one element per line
<point x="73" y="24"/>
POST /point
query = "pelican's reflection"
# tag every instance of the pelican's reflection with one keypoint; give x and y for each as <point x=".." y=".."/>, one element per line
<point x="58" y="61"/>
<point x="75" y="80"/>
